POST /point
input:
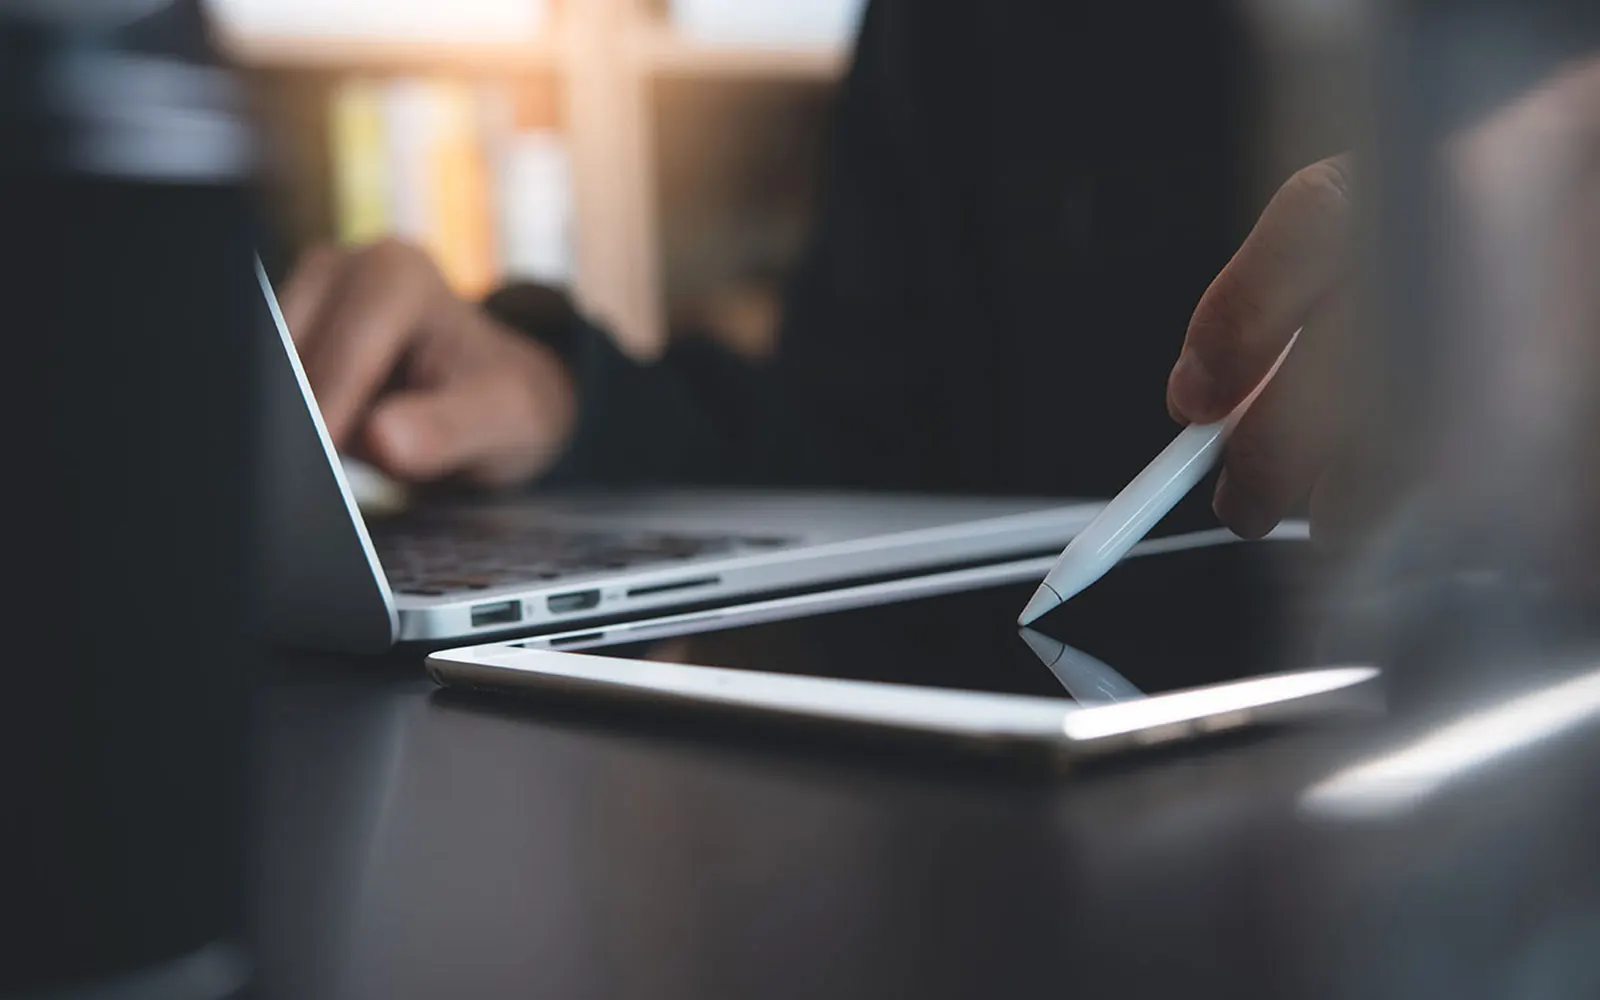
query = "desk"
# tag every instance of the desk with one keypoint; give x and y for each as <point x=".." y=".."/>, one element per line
<point x="414" y="846"/>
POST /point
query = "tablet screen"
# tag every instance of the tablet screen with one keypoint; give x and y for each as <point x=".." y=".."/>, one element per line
<point x="1163" y="622"/>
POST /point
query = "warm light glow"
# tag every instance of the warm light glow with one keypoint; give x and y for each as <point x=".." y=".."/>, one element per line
<point x="1186" y="706"/>
<point x="429" y="20"/>
<point x="1400" y="780"/>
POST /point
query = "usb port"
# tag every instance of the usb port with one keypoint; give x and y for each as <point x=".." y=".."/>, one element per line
<point x="498" y="613"/>
<point x="577" y="600"/>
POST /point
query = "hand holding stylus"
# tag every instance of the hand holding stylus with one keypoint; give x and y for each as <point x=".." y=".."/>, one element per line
<point x="1133" y="512"/>
<point x="1292" y="272"/>
<point x="1267" y="413"/>
<point x="1289" y="274"/>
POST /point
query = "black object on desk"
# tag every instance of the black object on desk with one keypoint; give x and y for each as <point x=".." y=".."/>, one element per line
<point x="126" y="231"/>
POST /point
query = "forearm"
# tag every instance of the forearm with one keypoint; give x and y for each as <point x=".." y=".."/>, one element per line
<point x="642" y="425"/>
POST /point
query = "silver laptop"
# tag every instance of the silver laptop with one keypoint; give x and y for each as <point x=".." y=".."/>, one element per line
<point x="538" y="563"/>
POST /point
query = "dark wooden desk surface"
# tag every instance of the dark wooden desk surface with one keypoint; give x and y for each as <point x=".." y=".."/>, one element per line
<point x="413" y="845"/>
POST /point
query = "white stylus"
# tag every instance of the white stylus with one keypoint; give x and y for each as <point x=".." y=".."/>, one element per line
<point x="1132" y="513"/>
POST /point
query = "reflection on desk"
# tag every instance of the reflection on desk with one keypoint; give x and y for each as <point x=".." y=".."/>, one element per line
<point x="417" y="845"/>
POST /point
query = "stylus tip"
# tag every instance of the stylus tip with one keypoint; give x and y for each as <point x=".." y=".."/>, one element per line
<point x="1048" y="650"/>
<point x="1043" y="600"/>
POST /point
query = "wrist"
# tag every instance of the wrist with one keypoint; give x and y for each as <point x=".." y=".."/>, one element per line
<point x="542" y="313"/>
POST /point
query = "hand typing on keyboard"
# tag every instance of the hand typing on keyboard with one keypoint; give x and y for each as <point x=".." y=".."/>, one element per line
<point x="416" y="381"/>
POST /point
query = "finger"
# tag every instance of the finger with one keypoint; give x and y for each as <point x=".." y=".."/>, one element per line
<point x="1293" y="258"/>
<point x="482" y="426"/>
<point x="1240" y="511"/>
<point x="308" y="289"/>
<point x="1288" y="436"/>
<point x="388" y="296"/>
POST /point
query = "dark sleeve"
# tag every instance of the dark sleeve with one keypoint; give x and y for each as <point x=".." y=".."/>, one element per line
<point x="837" y="406"/>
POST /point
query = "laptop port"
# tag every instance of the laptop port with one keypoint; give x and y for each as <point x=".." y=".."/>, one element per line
<point x="498" y="613"/>
<point x="577" y="600"/>
<point x="667" y="588"/>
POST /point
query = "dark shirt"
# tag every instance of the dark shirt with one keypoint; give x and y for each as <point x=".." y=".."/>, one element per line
<point x="1023" y="201"/>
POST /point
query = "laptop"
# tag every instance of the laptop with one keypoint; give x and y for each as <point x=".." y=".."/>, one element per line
<point x="532" y="563"/>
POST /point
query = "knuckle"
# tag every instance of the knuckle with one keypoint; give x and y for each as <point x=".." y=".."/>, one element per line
<point x="1322" y="187"/>
<point x="1217" y="330"/>
<point x="396" y="255"/>
<point x="405" y="265"/>
<point x="392" y="246"/>
<point x="321" y="254"/>
<point x="1227" y="309"/>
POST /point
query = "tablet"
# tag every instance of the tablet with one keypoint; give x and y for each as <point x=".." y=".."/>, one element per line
<point x="1191" y="636"/>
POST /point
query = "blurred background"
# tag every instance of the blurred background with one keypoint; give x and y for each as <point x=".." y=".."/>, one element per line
<point x="657" y="157"/>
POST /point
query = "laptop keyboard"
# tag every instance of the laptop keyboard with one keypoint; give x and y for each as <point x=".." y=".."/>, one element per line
<point x="442" y="557"/>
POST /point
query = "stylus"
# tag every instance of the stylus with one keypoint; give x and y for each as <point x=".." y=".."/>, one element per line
<point x="1132" y="513"/>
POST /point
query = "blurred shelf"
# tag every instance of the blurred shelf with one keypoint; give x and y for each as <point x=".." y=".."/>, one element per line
<point x="655" y="51"/>
<point x="345" y="53"/>
<point x="659" y="50"/>
<point x="606" y="54"/>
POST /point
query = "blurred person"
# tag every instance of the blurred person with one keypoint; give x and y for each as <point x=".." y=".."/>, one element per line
<point x="1022" y="202"/>
<point x="1001" y="262"/>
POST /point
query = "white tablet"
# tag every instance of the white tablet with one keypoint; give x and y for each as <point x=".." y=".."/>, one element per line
<point x="1195" y="635"/>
